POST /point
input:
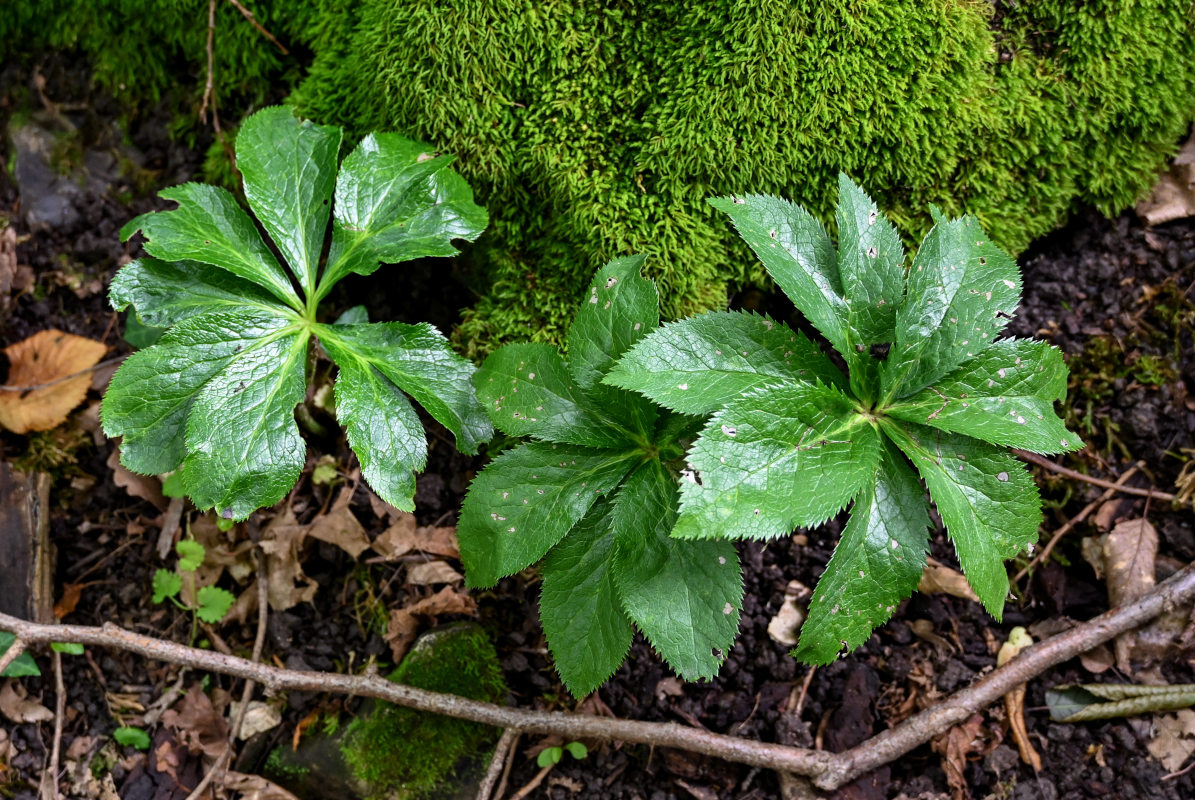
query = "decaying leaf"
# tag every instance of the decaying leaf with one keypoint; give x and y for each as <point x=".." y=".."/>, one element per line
<point x="146" y="487"/>
<point x="254" y="787"/>
<point x="1173" y="196"/>
<point x="403" y="537"/>
<point x="1173" y="741"/>
<point x="197" y="723"/>
<point x="430" y="573"/>
<point x="17" y="707"/>
<point x="44" y="358"/>
<point x="340" y="527"/>
<point x="954" y="746"/>
<point x="404" y="624"/>
<point x="281" y="541"/>
<point x="938" y="578"/>
<point x="259" y="717"/>
<point x="1014" y="701"/>
<point x="786" y="625"/>
<point x="1130" y="551"/>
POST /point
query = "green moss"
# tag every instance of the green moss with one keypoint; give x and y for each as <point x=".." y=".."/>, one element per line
<point x="593" y="129"/>
<point x="398" y="752"/>
<point x="277" y="765"/>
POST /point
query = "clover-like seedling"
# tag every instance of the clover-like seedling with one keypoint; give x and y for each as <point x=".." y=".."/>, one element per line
<point x="594" y="495"/>
<point x="793" y="440"/>
<point x="215" y="397"/>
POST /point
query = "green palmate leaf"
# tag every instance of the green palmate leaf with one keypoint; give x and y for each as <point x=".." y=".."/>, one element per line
<point x="214" y="603"/>
<point x="962" y="290"/>
<point x="1005" y="395"/>
<point x="525" y="502"/>
<point x="619" y="309"/>
<point x="986" y="498"/>
<point x="166" y="293"/>
<point x="685" y="596"/>
<point x="382" y="429"/>
<point x="528" y="391"/>
<point x="774" y="459"/>
<point x="243" y="446"/>
<point x="190" y="555"/>
<point x="579" y="605"/>
<point x="208" y="226"/>
<point x="418" y="360"/>
<point x="396" y="201"/>
<point x="166" y="584"/>
<point x="23" y="666"/>
<point x="151" y="395"/>
<point x="697" y="365"/>
<point x="876" y="564"/>
<point x="289" y="167"/>
<point x="799" y="255"/>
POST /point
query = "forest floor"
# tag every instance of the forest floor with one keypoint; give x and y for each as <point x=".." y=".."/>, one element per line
<point x="1116" y="297"/>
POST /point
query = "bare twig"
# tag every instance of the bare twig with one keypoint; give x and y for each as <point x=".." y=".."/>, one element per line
<point x="247" y="14"/>
<point x="1041" y="557"/>
<point x="211" y="60"/>
<point x="510" y="762"/>
<point x="59" y="712"/>
<point x="64" y="379"/>
<point x="497" y="763"/>
<point x="533" y="784"/>
<point x="1046" y="463"/>
<point x="12" y="654"/>
<point x="828" y="771"/>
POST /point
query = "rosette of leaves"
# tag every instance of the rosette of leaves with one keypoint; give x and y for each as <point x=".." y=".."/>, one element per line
<point x="793" y="440"/>
<point x="215" y="397"/>
<point x="594" y="495"/>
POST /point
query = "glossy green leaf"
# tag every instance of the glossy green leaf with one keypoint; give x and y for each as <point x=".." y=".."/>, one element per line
<point x="587" y="630"/>
<point x="23" y="666"/>
<point x="151" y="395"/>
<point x="166" y="584"/>
<point x="190" y="555"/>
<point x="1005" y="395"/>
<point x="798" y="254"/>
<point x="420" y="361"/>
<point x="774" y="459"/>
<point x="876" y="564"/>
<point x="549" y="756"/>
<point x="962" y="290"/>
<point x="289" y="167"/>
<point x="214" y="603"/>
<point x="528" y="391"/>
<point x="166" y="293"/>
<point x="686" y="596"/>
<point x="243" y="445"/>
<point x="210" y="227"/>
<point x="871" y="263"/>
<point x="67" y="648"/>
<point x="619" y="309"/>
<point x="527" y="500"/>
<point x="698" y="364"/>
<point x="396" y="201"/>
<point x="577" y="750"/>
<point x="986" y="498"/>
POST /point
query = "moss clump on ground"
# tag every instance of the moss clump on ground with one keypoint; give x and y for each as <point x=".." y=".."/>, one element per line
<point x="593" y="129"/>
<point x="398" y="752"/>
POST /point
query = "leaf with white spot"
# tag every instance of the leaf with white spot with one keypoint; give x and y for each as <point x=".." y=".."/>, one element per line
<point x="619" y="309"/>
<point x="1005" y="395"/>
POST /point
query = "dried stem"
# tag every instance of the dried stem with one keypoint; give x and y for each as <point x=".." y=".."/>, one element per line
<point x="12" y="654"/>
<point x="247" y="14"/>
<point x="1046" y="463"/>
<point x="497" y="763"/>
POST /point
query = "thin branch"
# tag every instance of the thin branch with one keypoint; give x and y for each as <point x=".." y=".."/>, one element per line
<point x="828" y="771"/>
<point x="211" y="61"/>
<point x="12" y="654"/>
<point x="1042" y="555"/>
<point x="59" y="713"/>
<point x="501" y="755"/>
<point x="247" y="14"/>
<point x="500" y="792"/>
<point x="34" y="387"/>
<point x="1046" y="463"/>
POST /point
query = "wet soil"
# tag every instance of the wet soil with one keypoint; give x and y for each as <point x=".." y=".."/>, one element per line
<point x="1114" y="296"/>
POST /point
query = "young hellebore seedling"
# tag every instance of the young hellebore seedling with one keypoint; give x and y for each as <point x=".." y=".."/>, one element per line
<point x="793" y="440"/>
<point x="215" y="397"/>
<point x="594" y="496"/>
<point x="211" y="602"/>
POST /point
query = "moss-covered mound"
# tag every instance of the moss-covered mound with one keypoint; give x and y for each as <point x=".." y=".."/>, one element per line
<point x="592" y="129"/>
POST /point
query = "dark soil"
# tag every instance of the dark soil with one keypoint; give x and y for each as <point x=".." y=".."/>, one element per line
<point x="1115" y="297"/>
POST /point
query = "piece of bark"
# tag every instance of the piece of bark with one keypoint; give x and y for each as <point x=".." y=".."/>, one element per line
<point x="26" y="555"/>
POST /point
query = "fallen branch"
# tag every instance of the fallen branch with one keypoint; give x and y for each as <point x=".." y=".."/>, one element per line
<point x="826" y="770"/>
<point x="1046" y="463"/>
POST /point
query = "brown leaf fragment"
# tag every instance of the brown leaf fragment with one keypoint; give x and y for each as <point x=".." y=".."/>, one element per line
<point x="954" y="746"/>
<point x="432" y="573"/>
<point x="940" y="579"/>
<point x="1130" y="552"/>
<point x="8" y="263"/>
<point x="145" y="487"/>
<point x="71" y="594"/>
<point x="254" y="787"/>
<point x="340" y="527"/>
<point x="403" y="626"/>
<point x="45" y="358"/>
<point x="197" y="724"/>
<point x="287" y="584"/>
<point x="1173" y="196"/>
<point x="17" y="707"/>
<point x="1098" y="660"/>
<point x="1014" y="702"/>
<point x="404" y="537"/>
<point x="1173" y="740"/>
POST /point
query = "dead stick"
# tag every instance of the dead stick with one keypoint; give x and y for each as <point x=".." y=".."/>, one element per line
<point x="510" y="762"/>
<point x="211" y="60"/>
<point x="59" y="713"/>
<point x="247" y="14"/>
<point x="1075" y="520"/>
<point x="828" y="771"/>
<point x="1046" y="463"/>
<point x="501" y="754"/>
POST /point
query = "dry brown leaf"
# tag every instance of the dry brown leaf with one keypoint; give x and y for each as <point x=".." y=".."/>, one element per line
<point x="403" y="537"/>
<point x="786" y="625"/>
<point x="940" y="579"/>
<point x="259" y="718"/>
<point x="287" y="584"/>
<point x="1130" y="551"/>
<point x="17" y="707"/>
<point x="1173" y="196"/>
<point x="1097" y="660"/>
<point x="1014" y="701"/>
<point x="8" y="263"/>
<point x="44" y="357"/>
<point x="1173" y="740"/>
<point x="197" y="724"/>
<point x="71" y="594"/>
<point x="1092" y="550"/>
<point x="954" y="747"/>
<point x="145" y="487"/>
<point x="340" y="527"/>
<point x="431" y="573"/>
<point x="404" y="623"/>
<point x="254" y="787"/>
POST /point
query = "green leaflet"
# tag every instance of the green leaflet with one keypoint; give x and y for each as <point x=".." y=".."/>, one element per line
<point x="619" y="309"/>
<point x="208" y="226"/>
<point x="871" y="263"/>
<point x="579" y="606"/>
<point x="396" y="201"/>
<point x="685" y="596"/>
<point x="525" y="502"/>
<point x="216" y="394"/>
<point x="774" y="459"/>
<point x="289" y="167"/>
<point x="23" y="666"/>
<point x="986" y="498"/>
<point x="1005" y="395"/>
<point x="698" y="364"/>
<point x="876" y="564"/>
